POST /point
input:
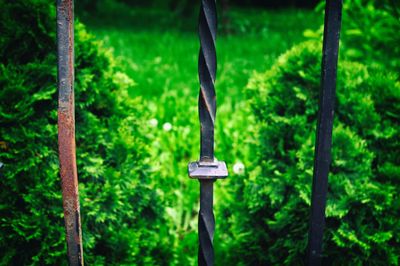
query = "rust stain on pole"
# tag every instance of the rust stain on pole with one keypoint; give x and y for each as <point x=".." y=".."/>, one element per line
<point x="66" y="130"/>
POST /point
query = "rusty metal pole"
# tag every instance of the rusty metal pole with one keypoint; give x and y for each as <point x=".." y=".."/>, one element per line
<point x="322" y="160"/>
<point x="66" y="130"/>
<point x="207" y="169"/>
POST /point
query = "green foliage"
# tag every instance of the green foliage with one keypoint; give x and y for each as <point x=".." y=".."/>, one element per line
<point x="121" y="212"/>
<point x="167" y="79"/>
<point x="363" y="202"/>
<point x="260" y="218"/>
<point x="371" y="32"/>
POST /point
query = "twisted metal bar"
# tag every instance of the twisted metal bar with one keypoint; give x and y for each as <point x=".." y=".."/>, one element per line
<point x="322" y="160"/>
<point x="207" y="112"/>
<point x="206" y="223"/>
<point x="66" y="130"/>
<point x="207" y="73"/>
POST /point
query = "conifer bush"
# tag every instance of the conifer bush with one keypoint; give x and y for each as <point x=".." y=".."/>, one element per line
<point x="370" y="32"/>
<point x="362" y="225"/>
<point x="121" y="213"/>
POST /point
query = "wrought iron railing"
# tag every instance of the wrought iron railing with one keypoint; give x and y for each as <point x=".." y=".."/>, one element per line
<point x="207" y="169"/>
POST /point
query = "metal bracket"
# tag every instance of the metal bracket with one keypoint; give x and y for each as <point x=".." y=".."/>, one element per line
<point x="207" y="170"/>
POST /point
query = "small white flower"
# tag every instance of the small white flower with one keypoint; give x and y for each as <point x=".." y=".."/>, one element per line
<point x="153" y="122"/>
<point x="167" y="127"/>
<point x="157" y="60"/>
<point x="238" y="168"/>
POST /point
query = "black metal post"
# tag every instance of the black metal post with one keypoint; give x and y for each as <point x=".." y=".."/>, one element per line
<point x="206" y="223"/>
<point x="207" y="170"/>
<point x="322" y="160"/>
<point x="66" y="130"/>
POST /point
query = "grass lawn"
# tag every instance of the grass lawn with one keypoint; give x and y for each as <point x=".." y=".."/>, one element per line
<point x="159" y="52"/>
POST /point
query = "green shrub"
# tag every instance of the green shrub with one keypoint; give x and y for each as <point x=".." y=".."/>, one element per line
<point x="363" y="207"/>
<point x="371" y="32"/>
<point x="121" y="213"/>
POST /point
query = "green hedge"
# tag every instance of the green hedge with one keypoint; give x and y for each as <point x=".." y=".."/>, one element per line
<point x="121" y="213"/>
<point x="363" y="200"/>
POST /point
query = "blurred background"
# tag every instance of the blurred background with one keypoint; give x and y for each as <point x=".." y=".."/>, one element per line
<point x="137" y="129"/>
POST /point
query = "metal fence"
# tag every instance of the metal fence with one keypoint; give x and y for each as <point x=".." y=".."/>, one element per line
<point x="207" y="169"/>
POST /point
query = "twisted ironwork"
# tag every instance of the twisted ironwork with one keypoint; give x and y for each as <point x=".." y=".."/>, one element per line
<point x="207" y="73"/>
<point x="322" y="160"/>
<point x="206" y="223"/>
<point x="207" y="111"/>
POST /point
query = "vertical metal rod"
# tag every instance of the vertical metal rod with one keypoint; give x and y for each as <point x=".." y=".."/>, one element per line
<point x="207" y="74"/>
<point x="322" y="159"/>
<point x="207" y="112"/>
<point x="66" y="130"/>
<point x="206" y="223"/>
